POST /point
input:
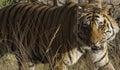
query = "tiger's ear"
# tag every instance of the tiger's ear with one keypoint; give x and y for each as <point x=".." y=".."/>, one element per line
<point x="87" y="7"/>
<point x="106" y="9"/>
<point x="80" y="9"/>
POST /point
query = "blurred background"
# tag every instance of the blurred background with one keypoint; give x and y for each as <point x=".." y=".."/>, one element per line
<point x="9" y="62"/>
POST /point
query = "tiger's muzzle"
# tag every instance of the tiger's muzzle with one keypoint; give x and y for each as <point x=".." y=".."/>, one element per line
<point x="97" y="46"/>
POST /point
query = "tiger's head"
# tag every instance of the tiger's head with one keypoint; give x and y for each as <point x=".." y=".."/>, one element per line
<point x="95" y="27"/>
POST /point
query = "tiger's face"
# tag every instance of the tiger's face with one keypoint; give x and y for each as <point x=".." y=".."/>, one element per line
<point x="94" y="29"/>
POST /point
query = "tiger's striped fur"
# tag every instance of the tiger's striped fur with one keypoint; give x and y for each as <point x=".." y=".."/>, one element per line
<point x="56" y="35"/>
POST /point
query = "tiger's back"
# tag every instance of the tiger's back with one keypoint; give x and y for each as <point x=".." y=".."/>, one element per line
<point x="38" y="28"/>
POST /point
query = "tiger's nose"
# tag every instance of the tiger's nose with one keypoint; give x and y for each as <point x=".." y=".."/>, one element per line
<point x="96" y="46"/>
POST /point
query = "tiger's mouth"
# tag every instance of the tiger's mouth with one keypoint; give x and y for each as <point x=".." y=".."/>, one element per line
<point x="97" y="47"/>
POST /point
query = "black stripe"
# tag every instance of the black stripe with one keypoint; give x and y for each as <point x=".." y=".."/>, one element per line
<point x="80" y="37"/>
<point x="111" y="27"/>
<point x="2" y="16"/>
<point x="79" y="48"/>
<point x="105" y="65"/>
<point x="88" y="14"/>
<point x="14" y="17"/>
<point x="8" y="11"/>
<point x="10" y="20"/>
<point x="37" y="21"/>
<point x="17" y="19"/>
<point x="53" y="17"/>
<point x="89" y="17"/>
<point x="25" y="13"/>
<point x="56" y="17"/>
<point x="101" y="58"/>
<point x="41" y="25"/>
<point x="5" y="26"/>
<point x="20" y="17"/>
<point x="30" y="16"/>
<point x="50" y="17"/>
<point x="69" y="53"/>
<point x="107" y="25"/>
<point x="96" y="16"/>
<point x="4" y="11"/>
<point x="41" y="15"/>
<point x="23" y="17"/>
<point x="46" y="17"/>
<point x="33" y="17"/>
<point x="44" y="13"/>
<point x="30" y="22"/>
<point x="112" y="33"/>
<point x="108" y="20"/>
<point x="14" y="11"/>
<point x="18" y="13"/>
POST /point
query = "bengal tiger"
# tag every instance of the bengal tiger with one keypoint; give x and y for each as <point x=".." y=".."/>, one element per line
<point x="57" y="35"/>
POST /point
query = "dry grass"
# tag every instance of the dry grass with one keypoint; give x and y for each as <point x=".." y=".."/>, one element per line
<point x="9" y="62"/>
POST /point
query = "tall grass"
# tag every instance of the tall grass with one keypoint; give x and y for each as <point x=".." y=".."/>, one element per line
<point x="9" y="62"/>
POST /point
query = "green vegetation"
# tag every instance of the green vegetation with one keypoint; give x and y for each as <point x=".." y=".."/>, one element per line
<point x="5" y="3"/>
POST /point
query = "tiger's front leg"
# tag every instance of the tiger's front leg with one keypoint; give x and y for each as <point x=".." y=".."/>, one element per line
<point x="101" y="60"/>
<point x="68" y="58"/>
<point x="58" y="66"/>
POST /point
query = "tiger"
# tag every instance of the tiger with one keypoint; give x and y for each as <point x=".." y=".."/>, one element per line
<point x="56" y="35"/>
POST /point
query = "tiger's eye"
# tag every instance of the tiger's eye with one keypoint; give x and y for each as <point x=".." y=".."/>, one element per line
<point x="100" y="23"/>
<point x="85" y="24"/>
